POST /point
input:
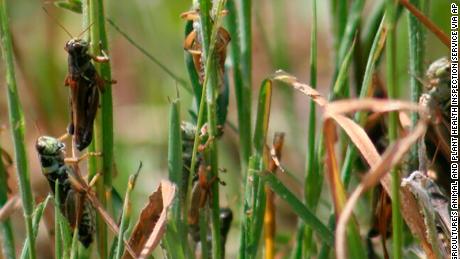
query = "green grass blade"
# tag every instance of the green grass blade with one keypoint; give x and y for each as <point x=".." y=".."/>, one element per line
<point x="311" y="175"/>
<point x="242" y="89"/>
<point x="342" y="77"/>
<point x="104" y="124"/>
<point x="254" y="196"/>
<point x="37" y="216"/>
<point x="6" y="230"/>
<point x="299" y="208"/>
<point x="393" y="125"/>
<point x="126" y="214"/>
<point x="416" y="64"/>
<point x="374" y="55"/>
<point x="57" y="224"/>
<point x="175" y="163"/>
<point x="353" y="22"/>
<point x="17" y="126"/>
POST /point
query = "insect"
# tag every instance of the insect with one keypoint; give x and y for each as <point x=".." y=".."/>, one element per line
<point x="77" y="200"/>
<point x="436" y="100"/>
<point x="434" y="206"/>
<point x="84" y="83"/>
<point x="76" y="210"/>
<point x="193" y="44"/>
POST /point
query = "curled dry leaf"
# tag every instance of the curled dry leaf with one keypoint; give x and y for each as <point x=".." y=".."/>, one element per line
<point x="378" y="171"/>
<point x="151" y="225"/>
<point x="380" y="166"/>
<point x="282" y="76"/>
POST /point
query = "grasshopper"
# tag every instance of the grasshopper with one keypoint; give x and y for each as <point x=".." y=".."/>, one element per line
<point x="193" y="44"/>
<point x="78" y="201"/>
<point x="436" y="101"/>
<point x="85" y="84"/>
<point x="75" y="209"/>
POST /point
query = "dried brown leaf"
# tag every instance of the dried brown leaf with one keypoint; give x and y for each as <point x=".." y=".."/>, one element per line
<point x="378" y="170"/>
<point x="304" y="88"/>
<point x="151" y="225"/>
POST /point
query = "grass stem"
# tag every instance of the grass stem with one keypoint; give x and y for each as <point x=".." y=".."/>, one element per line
<point x="17" y="127"/>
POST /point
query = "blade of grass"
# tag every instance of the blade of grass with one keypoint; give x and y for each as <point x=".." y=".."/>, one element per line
<point x="177" y="175"/>
<point x="175" y="164"/>
<point x="17" y="126"/>
<point x="427" y="22"/>
<point x="104" y="124"/>
<point x="299" y="208"/>
<point x="58" y="244"/>
<point x="374" y="55"/>
<point x="242" y="88"/>
<point x="245" y="19"/>
<point x="393" y="125"/>
<point x="311" y="174"/>
<point x="126" y="214"/>
<point x="6" y="229"/>
<point x="416" y="58"/>
<point x="37" y="216"/>
<point x="211" y="107"/>
<point x="254" y="196"/>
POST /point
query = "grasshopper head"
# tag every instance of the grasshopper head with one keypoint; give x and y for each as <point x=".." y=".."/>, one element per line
<point x="76" y="46"/>
<point x="438" y="72"/>
<point x="49" y="146"/>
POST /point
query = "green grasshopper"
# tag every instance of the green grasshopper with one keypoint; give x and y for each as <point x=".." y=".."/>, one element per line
<point x="78" y="211"/>
<point x="78" y="201"/>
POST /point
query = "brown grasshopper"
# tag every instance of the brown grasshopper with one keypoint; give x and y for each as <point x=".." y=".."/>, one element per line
<point x="193" y="44"/>
<point x="85" y="84"/>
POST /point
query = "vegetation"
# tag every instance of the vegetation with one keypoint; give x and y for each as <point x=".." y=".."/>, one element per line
<point x="244" y="159"/>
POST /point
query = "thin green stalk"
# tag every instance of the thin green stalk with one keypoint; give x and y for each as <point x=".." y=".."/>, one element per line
<point x="374" y="55"/>
<point x="209" y="94"/>
<point x="17" y="127"/>
<point x="242" y="89"/>
<point x="393" y="125"/>
<point x="254" y="195"/>
<point x="312" y="162"/>
<point x="36" y="218"/>
<point x="178" y="176"/>
<point x="353" y="22"/>
<point x="416" y="58"/>
<point x="125" y="216"/>
<point x="57" y="222"/>
<point x="299" y="208"/>
<point x="6" y="229"/>
<point x="245" y="18"/>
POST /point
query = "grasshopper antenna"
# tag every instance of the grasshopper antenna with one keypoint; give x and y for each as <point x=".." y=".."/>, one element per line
<point x="57" y="22"/>
<point x="85" y="30"/>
